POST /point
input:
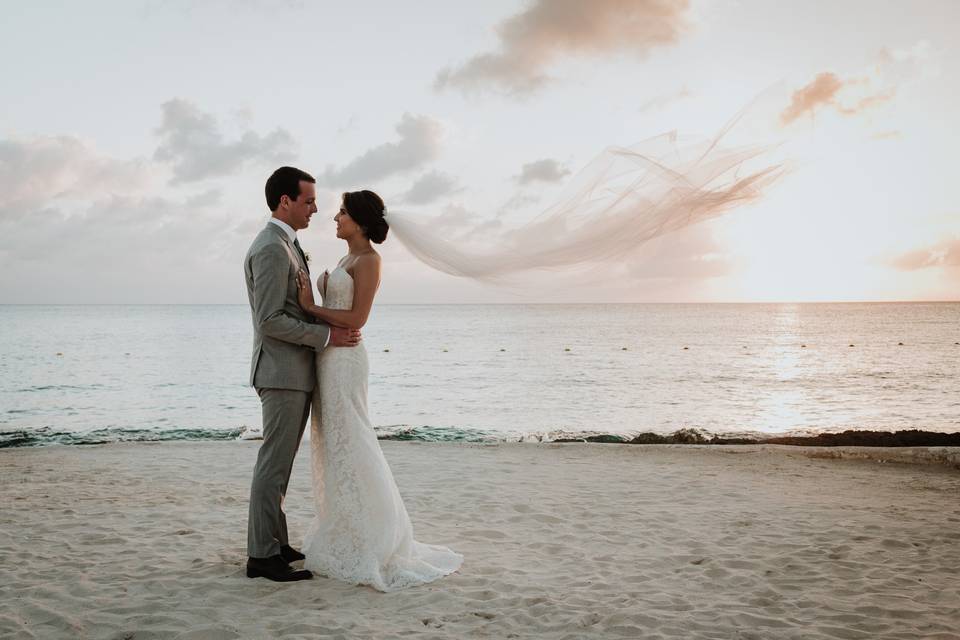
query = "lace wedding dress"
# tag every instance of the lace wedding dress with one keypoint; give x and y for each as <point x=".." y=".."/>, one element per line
<point x="361" y="532"/>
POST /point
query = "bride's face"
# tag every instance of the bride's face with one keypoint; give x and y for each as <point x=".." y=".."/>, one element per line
<point x="346" y="227"/>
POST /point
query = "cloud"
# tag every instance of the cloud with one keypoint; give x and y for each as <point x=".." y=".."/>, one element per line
<point x="942" y="254"/>
<point x="851" y="96"/>
<point x="129" y="248"/>
<point x="105" y="224"/>
<point x="823" y="91"/>
<point x="419" y="143"/>
<point x="532" y="40"/>
<point x="206" y="198"/>
<point x="904" y="64"/>
<point x="79" y="226"/>
<point x="46" y="168"/>
<point x="866" y="102"/>
<point x="192" y="143"/>
<point x="545" y="170"/>
<point x="658" y="102"/>
<point x="430" y="187"/>
<point x="518" y="202"/>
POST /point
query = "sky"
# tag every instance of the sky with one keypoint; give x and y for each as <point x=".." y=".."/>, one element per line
<point x="136" y="136"/>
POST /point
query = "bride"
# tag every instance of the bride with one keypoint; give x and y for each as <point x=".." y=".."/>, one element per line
<point x="361" y="532"/>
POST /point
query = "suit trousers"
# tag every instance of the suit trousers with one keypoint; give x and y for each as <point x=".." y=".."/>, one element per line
<point x="285" y="413"/>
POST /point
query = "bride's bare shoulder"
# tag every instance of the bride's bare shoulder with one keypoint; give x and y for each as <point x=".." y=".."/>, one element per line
<point x="369" y="260"/>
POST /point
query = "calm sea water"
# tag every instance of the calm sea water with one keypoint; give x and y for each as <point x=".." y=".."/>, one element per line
<point x="92" y="373"/>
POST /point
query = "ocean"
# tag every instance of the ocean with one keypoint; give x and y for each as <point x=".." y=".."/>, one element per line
<point x="88" y="374"/>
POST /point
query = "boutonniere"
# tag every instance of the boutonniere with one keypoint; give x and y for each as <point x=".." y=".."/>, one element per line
<point x="306" y="256"/>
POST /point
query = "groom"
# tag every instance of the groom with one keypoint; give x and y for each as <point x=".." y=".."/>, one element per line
<point x="283" y="371"/>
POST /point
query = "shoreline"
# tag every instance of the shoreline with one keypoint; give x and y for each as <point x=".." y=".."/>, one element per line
<point x="27" y="438"/>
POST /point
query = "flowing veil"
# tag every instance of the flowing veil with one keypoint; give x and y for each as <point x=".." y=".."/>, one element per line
<point x="623" y="198"/>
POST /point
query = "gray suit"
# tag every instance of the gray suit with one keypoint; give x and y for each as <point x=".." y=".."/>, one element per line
<point x="283" y="372"/>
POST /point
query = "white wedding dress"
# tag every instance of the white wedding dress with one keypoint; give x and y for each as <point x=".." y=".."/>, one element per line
<point x="361" y="532"/>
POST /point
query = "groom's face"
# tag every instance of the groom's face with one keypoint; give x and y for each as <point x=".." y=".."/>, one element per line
<point x="303" y="207"/>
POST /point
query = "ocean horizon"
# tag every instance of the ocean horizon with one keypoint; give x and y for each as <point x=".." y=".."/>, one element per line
<point x="80" y="374"/>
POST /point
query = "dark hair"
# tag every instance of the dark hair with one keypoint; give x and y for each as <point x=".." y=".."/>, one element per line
<point x="285" y="181"/>
<point x="367" y="209"/>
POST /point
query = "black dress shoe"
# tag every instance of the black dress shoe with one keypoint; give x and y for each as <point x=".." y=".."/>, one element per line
<point x="289" y="554"/>
<point x="274" y="568"/>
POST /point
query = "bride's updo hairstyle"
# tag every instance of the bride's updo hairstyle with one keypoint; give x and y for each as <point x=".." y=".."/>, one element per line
<point x="367" y="210"/>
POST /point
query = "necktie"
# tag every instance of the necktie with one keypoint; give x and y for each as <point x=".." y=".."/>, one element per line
<point x="303" y="256"/>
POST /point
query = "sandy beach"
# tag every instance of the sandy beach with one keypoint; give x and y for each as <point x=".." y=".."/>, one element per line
<point x="146" y="540"/>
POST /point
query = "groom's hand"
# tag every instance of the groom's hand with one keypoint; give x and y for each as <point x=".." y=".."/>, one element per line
<point x="340" y="337"/>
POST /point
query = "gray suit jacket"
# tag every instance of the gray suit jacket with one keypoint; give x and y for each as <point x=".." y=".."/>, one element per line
<point x="285" y="338"/>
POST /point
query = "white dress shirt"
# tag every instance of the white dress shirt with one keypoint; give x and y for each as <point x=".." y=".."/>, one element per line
<point x="286" y="228"/>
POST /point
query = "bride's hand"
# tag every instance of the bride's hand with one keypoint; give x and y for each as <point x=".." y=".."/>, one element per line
<point x="304" y="291"/>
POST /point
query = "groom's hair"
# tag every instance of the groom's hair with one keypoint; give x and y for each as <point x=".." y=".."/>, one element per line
<point x="285" y="181"/>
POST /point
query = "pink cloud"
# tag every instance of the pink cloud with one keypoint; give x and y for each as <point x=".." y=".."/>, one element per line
<point x="941" y="254"/>
<point x="36" y="170"/>
<point x="877" y="85"/>
<point x="823" y="91"/>
<point x="549" y="29"/>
